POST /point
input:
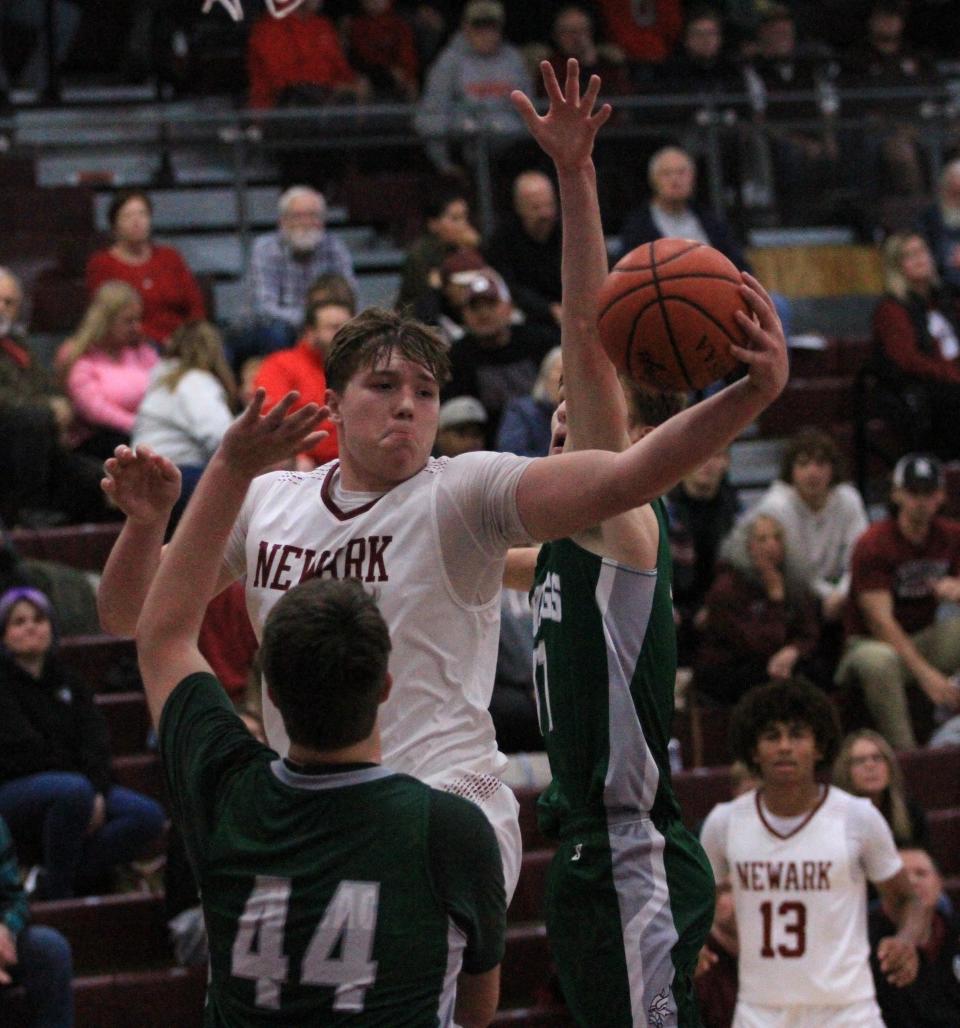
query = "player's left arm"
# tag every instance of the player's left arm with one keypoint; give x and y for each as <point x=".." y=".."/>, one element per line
<point x="519" y="568"/>
<point x="169" y="623"/>
<point x="897" y="954"/>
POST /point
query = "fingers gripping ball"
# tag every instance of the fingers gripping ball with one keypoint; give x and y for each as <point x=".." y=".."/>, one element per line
<point x="666" y="314"/>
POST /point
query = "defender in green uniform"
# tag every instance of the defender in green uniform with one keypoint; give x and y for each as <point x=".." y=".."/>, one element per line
<point x="335" y="891"/>
<point x="630" y="893"/>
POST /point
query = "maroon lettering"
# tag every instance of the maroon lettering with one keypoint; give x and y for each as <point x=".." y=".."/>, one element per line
<point x="756" y="875"/>
<point x="327" y="564"/>
<point x="792" y="881"/>
<point x="283" y="568"/>
<point x="378" y="546"/>
<point x="264" y="564"/>
<point x="773" y="875"/>
<point x="823" y="874"/>
<point x="309" y="565"/>
<point x="353" y="560"/>
<point x="743" y="875"/>
<point x="809" y="875"/>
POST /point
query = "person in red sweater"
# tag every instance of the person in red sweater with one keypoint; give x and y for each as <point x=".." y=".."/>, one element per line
<point x="301" y="50"/>
<point x="301" y="368"/>
<point x="381" y="46"/>
<point x="159" y="274"/>
<point x="646" y="30"/>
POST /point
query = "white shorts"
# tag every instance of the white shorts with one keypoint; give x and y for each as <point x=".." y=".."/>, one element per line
<point x="862" y="1014"/>
<point x="497" y="801"/>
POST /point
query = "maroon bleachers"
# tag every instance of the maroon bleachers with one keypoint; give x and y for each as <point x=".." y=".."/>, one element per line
<point x="81" y="546"/>
<point x="103" y="662"/>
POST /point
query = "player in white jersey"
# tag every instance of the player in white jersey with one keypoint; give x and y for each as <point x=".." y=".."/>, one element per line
<point x="429" y="535"/>
<point x="799" y="855"/>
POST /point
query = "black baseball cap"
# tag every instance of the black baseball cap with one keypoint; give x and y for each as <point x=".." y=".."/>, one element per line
<point x="918" y="473"/>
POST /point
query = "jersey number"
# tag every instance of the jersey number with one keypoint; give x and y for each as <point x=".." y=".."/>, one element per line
<point x="541" y="692"/>
<point x="349" y="922"/>
<point x="794" y="924"/>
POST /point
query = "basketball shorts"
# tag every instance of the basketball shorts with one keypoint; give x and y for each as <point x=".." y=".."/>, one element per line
<point x="628" y="908"/>
<point x="861" y="1014"/>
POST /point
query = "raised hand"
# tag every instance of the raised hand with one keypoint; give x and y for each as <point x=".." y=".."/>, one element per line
<point x="144" y="485"/>
<point x="256" y="442"/>
<point x="567" y="131"/>
<point x="765" y="351"/>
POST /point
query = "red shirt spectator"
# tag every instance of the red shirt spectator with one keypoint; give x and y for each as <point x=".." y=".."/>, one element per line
<point x="381" y="45"/>
<point x="646" y="30"/>
<point x="302" y="49"/>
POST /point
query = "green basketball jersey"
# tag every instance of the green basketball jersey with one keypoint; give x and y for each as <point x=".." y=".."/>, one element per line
<point x="343" y="898"/>
<point x="605" y="659"/>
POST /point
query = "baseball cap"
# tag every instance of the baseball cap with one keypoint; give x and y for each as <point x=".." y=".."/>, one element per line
<point x="487" y="284"/>
<point x="483" y="11"/>
<point x="918" y="473"/>
<point x="460" y="267"/>
<point x="462" y="410"/>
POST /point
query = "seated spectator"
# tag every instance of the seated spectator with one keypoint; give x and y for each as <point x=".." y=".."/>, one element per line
<point x="701" y="510"/>
<point x="283" y="265"/>
<point x="496" y="360"/>
<point x="574" y="35"/>
<point x="887" y="150"/>
<point x="330" y="285"/>
<point x="55" y="787"/>
<point x="933" y="999"/>
<point x="646" y="33"/>
<point x="525" y="249"/>
<point x="867" y="766"/>
<point x="461" y="427"/>
<point x="34" y="956"/>
<point x="761" y="620"/>
<point x="671" y="212"/>
<point x="41" y="480"/>
<point x="190" y="401"/>
<point x="939" y="224"/>
<point x="525" y="428"/>
<point x="443" y="308"/>
<point x="29" y="21"/>
<point x="107" y="365"/>
<point x="472" y="76"/>
<point x="699" y="65"/>
<point x="902" y="568"/>
<point x="301" y="368"/>
<point x="916" y="333"/>
<point x="822" y="517"/>
<point x="167" y="288"/>
<point x="447" y="231"/>
<point x="381" y="46"/>
<point x="298" y="60"/>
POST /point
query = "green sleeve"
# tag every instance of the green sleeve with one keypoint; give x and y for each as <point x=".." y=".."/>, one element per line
<point x="202" y="743"/>
<point x="465" y="860"/>
<point x="14" y="912"/>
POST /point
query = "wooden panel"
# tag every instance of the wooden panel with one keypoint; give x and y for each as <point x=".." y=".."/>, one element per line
<point x="810" y="271"/>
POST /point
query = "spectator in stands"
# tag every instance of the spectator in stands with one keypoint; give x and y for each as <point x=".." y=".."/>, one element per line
<point x="283" y="264"/>
<point x="902" y="569"/>
<point x="916" y="332"/>
<point x="167" y="288"/>
<point x="525" y="249"/>
<point x="301" y="368"/>
<point x="888" y="149"/>
<point x="29" y="21"/>
<point x="444" y="307"/>
<point x="671" y="212"/>
<point x="472" y="77"/>
<point x="496" y="360"/>
<point x="700" y="64"/>
<point x="381" y="46"/>
<point x="35" y="956"/>
<point x="525" y="428"/>
<point x="574" y="35"/>
<point x="107" y="365"/>
<point x="41" y="480"/>
<point x="933" y="1000"/>
<point x="867" y="766"/>
<point x="190" y="401"/>
<point x="55" y="785"/>
<point x="298" y="60"/>
<point x="447" y="230"/>
<point x="761" y="620"/>
<point x="940" y="224"/>
<point x="646" y="33"/>
<point x="329" y="285"/>
<point x="462" y="427"/>
<point x="702" y="510"/>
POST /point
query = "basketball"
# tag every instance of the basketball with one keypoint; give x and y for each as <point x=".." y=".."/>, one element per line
<point x="666" y="314"/>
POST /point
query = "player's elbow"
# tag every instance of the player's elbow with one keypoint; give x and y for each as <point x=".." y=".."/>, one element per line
<point x="477" y="998"/>
<point x="115" y="619"/>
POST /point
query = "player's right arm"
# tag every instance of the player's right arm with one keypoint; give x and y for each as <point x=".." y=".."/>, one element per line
<point x="477" y="998"/>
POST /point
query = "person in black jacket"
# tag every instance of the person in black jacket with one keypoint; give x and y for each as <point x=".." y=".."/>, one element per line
<point x="55" y="785"/>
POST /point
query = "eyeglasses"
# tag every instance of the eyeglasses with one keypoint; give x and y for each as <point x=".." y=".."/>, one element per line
<point x="869" y="758"/>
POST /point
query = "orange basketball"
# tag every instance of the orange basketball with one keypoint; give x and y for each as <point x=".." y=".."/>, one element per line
<point x="665" y="314"/>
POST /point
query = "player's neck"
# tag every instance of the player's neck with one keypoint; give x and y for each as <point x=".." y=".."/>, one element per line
<point x="367" y="751"/>
<point x="792" y="799"/>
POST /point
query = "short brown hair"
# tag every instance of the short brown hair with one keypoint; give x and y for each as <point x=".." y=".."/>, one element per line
<point x="371" y="337"/>
<point x="324" y="653"/>
<point x="813" y="444"/>
<point x="647" y="408"/>
<point x="121" y="199"/>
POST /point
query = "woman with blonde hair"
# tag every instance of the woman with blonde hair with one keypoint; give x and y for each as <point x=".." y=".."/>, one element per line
<point x="916" y="333"/>
<point x="867" y="766"/>
<point x="105" y="366"/>
<point x="189" y="403"/>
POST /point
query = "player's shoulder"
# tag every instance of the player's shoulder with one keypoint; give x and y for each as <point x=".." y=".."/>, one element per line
<point x="857" y="809"/>
<point x="721" y="813"/>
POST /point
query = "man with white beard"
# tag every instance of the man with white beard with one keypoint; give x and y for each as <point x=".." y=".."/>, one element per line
<point x="283" y="266"/>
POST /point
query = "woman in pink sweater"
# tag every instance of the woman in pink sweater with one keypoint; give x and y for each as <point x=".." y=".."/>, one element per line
<point x="106" y="365"/>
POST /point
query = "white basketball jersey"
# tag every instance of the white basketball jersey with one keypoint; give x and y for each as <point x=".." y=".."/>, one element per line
<point x="801" y="898"/>
<point x="432" y="549"/>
